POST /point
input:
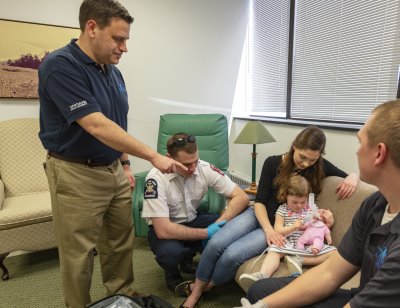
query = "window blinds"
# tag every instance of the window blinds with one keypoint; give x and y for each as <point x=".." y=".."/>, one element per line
<point x="346" y="57"/>
<point x="268" y="53"/>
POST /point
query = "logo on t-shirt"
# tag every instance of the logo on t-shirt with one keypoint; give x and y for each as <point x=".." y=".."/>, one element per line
<point x="380" y="255"/>
<point x="150" y="189"/>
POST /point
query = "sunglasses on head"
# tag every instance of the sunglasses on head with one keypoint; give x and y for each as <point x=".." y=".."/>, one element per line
<point x="182" y="141"/>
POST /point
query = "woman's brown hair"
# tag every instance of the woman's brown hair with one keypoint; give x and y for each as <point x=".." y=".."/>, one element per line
<point x="311" y="138"/>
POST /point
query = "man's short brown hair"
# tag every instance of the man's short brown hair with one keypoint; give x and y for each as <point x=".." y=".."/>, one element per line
<point x="102" y="11"/>
<point x="385" y="127"/>
<point x="181" y="142"/>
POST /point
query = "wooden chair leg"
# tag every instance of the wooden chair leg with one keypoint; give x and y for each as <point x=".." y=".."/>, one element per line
<point x="5" y="275"/>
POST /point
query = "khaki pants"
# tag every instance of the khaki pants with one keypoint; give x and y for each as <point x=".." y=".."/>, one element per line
<point x="91" y="208"/>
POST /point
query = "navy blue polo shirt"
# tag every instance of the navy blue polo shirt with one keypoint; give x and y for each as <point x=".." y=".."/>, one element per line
<point x="71" y="86"/>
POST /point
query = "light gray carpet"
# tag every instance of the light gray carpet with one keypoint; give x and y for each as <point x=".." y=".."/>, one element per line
<point x="35" y="281"/>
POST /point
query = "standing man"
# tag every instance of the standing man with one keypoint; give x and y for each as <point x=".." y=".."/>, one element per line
<point x="170" y="205"/>
<point x="372" y="243"/>
<point x="83" y="123"/>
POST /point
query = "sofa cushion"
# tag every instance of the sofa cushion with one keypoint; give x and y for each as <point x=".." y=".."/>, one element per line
<point x="15" y="214"/>
<point x="254" y="264"/>
<point x="343" y="210"/>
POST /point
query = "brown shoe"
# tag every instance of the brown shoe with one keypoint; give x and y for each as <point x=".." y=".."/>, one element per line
<point x="183" y="289"/>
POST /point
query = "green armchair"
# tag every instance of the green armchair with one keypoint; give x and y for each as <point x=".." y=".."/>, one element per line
<point x="211" y="131"/>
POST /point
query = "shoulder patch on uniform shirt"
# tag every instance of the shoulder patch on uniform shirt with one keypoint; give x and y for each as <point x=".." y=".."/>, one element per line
<point x="216" y="169"/>
<point x="150" y="189"/>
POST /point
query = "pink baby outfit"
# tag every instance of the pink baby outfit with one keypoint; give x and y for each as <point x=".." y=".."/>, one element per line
<point x="314" y="235"/>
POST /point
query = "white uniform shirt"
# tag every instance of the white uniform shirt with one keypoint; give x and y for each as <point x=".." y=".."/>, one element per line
<point x="177" y="197"/>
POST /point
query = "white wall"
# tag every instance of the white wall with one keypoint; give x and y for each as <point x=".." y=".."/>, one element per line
<point x="183" y="57"/>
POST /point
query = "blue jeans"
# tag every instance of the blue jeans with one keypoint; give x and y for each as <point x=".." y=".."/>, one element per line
<point x="170" y="253"/>
<point x="239" y="240"/>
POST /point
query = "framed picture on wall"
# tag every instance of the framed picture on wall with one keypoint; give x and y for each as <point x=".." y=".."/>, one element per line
<point x="24" y="45"/>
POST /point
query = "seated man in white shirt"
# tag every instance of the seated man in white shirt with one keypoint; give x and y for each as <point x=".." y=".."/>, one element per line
<point x="170" y="206"/>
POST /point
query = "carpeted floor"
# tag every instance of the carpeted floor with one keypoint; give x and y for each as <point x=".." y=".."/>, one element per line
<point x="35" y="281"/>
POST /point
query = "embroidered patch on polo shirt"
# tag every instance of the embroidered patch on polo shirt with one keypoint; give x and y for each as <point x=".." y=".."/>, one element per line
<point x="216" y="169"/>
<point x="150" y="189"/>
<point x="121" y="88"/>
<point x="77" y="105"/>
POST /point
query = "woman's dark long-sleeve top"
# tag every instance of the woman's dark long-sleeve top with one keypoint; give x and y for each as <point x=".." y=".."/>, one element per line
<point x="267" y="191"/>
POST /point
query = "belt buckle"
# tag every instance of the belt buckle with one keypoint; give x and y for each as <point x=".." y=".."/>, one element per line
<point x="92" y="164"/>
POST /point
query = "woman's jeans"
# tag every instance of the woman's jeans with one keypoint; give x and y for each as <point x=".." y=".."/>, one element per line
<point x="239" y="240"/>
<point x="170" y="253"/>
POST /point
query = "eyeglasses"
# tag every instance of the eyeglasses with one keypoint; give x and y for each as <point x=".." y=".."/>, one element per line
<point x="182" y="141"/>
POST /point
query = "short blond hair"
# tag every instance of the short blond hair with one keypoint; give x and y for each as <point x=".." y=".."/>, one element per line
<point x="385" y="127"/>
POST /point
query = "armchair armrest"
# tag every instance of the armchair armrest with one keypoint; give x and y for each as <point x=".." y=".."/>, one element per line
<point x="2" y="194"/>
<point x="141" y="227"/>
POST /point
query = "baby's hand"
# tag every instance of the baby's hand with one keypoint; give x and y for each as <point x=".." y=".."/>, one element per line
<point x="303" y="227"/>
<point x="315" y="251"/>
<point x="297" y="225"/>
<point x="326" y="217"/>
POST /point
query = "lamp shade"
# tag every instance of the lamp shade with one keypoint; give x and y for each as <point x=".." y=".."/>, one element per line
<point x="254" y="132"/>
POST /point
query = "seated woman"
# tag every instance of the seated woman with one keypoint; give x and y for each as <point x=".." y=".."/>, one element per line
<point x="246" y="235"/>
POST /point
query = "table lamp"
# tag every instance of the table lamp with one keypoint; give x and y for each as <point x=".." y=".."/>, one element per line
<point x="254" y="132"/>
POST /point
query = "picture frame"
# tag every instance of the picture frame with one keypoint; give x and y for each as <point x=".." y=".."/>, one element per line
<point x="24" y="46"/>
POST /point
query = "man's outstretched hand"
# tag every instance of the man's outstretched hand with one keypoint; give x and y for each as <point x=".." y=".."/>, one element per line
<point x="212" y="229"/>
<point x="166" y="164"/>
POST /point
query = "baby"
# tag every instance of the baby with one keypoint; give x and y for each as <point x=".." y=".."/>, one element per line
<point x="314" y="234"/>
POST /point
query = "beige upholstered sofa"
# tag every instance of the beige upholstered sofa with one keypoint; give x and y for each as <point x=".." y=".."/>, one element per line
<point x="343" y="212"/>
<point x="25" y="208"/>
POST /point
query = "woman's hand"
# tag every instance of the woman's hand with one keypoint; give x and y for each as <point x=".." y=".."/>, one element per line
<point x="348" y="186"/>
<point x="275" y="238"/>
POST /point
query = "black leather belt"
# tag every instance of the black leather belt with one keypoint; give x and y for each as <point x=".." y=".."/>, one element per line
<point x="81" y="161"/>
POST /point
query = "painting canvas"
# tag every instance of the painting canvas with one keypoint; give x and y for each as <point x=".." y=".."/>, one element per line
<point x="24" y="46"/>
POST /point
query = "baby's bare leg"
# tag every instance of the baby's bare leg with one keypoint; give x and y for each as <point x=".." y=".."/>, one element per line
<point x="271" y="263"/>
